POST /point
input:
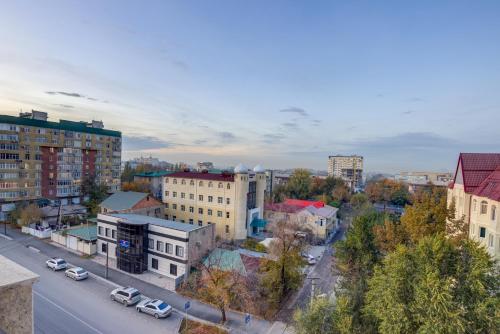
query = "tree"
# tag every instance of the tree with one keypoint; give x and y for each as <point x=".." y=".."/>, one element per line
<point x="279" y="194"/>
<point x="456" y="228"/>
<point x="29" y="214"/>
<point x="95" y="191"/>
<point x="222" y="287"/>
<point x="128" y="173"/>
<point x="388" y="191"/>
<point x="138" y="186"/>
<point x="299" y="184"/>
<point x="435" y="287"/>
<point x="282" y="273"/>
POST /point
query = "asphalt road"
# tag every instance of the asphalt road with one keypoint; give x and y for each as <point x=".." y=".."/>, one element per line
<point x="62" y="305"/>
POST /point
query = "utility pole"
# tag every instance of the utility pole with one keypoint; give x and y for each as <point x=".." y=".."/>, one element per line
<point x="107" y="258"/>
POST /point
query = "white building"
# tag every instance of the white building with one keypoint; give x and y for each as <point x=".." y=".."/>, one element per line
<point x="138" y="243"/>
<point x="347" y="167"/>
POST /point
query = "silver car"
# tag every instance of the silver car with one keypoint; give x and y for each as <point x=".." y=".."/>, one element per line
<point x="156" y="307"/>
<point x="77" y="273"/>
<point x="127" y="296"/>
<point x="56" y="264"/>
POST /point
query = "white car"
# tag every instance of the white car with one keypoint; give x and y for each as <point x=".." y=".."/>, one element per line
<point x="56" y="264"/>
<point x="309" y="258"/>
<point x="156" y="307"/>
<point x="127" y="296"/>
<point x="77" y="273"/>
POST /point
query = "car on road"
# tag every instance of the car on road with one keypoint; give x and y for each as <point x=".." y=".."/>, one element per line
<point x="155" y="307"/>
<point x="77" y="273"/>
<point x="127" y="296"/>
<point x="56" y="264"/>
<point x="309" y="258"/>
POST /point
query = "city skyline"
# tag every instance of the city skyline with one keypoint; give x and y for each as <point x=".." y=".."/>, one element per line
<point x="195" y="82"/>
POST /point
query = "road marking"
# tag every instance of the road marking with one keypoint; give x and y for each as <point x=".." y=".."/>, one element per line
<point x="68" y="313"/>
<point x="34" y="249"/>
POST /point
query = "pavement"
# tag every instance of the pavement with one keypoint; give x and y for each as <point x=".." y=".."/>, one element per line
<point x="18" y="251"/>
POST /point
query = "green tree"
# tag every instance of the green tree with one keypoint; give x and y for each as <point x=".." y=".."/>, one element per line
<point x="299" y="184"/>
<point x="128" y="173"/>
<point x="96" y="192"/>
<point x="323" y="316"/>
<point x="435" y="287"/>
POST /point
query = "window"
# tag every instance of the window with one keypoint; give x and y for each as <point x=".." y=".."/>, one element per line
<point x="191" y="183"/>
<point x="484" y="207"/>
<point x="200" y="223"/>
<point x="166" y="180"/>
<point x="490" y="240"/>
<point x="174" y="217"/>
<point x="151" y="244"/>
<point x="174" y="194"/>
<point x="166" y="193"/>
<point x="183" y="208"/>
<point x="228" y="186"/>
<point x="220" y="200"/>
<point x="200" y="184"/>
<point x="183" y="195"/>
<point x="227" y="228"/>
<point x="175" y="181"/>
<point x="210" y="199"/>
<point x="107" y="232"/>
<point x="210" y="184"/>
<point x="113" y="234"/>
<point x="173" y="269"/>
<point x="493" y="212"/>
<point x="200" y="197"/>
<point x="100" y="230"/>
<point x="191" y="196"/>
<point x="482" y="232"/>
<point x="183" y="181"/>
<point x="170" y="248"/>
<point x="159" y="246"/>
<point x="220" y="185"/>
<point x="166" y="205"/>
<point x="200" y="211"/>
<point x="154" y="263"/>
<point x="179" y="251"/>
<point x="174" y="206"/>
<point x="228" y="201"/>
<point x="219" y="213"/>
<point x="191" y="221"/>
<point x="191" y="209"/>
<point x="209" y="212"/>
<point x="227" y="214"/>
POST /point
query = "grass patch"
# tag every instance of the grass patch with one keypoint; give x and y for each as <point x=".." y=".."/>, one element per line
<point x="194" y="327"/>
<point x="254" y="245"/>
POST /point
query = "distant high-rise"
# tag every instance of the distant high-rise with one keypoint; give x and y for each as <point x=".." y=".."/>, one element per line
<point x="347" y="167"/>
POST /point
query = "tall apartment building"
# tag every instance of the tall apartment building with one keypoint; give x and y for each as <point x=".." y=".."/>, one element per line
<point x="231" y="201"/>
<point x="347" y="167"/>
<point x="44" y="159"/>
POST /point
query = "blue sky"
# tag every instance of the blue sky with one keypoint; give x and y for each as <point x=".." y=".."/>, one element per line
<point x="281" y="83"/>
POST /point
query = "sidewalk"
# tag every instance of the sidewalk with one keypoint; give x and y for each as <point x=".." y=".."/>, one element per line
<point x="236" y="321"/>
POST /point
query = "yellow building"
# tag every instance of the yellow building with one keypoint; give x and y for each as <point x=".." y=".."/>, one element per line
<point x="476" y="193"/>
<point x="231" y="201"/>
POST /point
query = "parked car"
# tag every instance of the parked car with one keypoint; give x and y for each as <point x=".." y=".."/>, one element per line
<point x="56" y="264"/>
<point x="77" y="273"/>
<point x="309" y="258"/>
<point x="127" y="296"/>
<point x="156" y="307"/>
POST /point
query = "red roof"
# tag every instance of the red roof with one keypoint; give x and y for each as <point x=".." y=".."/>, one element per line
<point x="304" y="203"/>
<point x="282" y="207"/>
<point x="204" y="176"/>
<point x="251" y="263"/>
<point x="490" y="187"/>
<point x="476" y="167"/>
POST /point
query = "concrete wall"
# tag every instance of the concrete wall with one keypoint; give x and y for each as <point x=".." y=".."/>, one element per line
<point x="16" y="309"/>
<point x="81" y="246"/>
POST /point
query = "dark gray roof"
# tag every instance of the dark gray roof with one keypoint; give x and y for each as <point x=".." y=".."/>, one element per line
<point x="123" y="200"/>
<point x="141" y="220"/>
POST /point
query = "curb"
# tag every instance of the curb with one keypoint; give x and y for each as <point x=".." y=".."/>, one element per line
<point x="6" y="236"/>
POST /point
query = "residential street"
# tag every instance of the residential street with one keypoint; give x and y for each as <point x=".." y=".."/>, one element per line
<point x="85" y="307"/>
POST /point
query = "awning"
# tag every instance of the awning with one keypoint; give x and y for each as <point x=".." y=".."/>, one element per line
<point x="258" y="223"/>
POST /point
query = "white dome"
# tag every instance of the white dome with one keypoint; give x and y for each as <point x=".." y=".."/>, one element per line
<point x="240" y="169"/>
<point x="259" y="169"/>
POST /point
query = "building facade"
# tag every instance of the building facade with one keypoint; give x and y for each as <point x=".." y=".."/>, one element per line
<point x="154" y="179"/>
<point x="132" y="202"/>
<point x="205" y="165"/>
<point x="40" y="158"/>
<point x="139" y="243"/>
<point x="230" y="201"/>
<point x="347" y="167"/>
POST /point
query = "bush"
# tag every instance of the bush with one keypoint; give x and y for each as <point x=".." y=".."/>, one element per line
<point x="254" y="245"/>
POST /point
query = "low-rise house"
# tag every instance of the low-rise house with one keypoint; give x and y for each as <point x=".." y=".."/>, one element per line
<point x="132" y="202"/>
<point x="16" y="297"/>
<point x="138" y="243"/>
<point x="82" y="239"/>
<point x="244" y="263"/>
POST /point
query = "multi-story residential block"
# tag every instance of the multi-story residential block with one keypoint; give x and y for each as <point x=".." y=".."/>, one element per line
<point x="347" y="167"/>
<point x="132" y="202"/>
<point x="424" y="177"/>
<point x="138" y="243"/>
<point x="40" y="158"/>
<point x="475" y="190"/>
<point x="206" y="165"/>
<point x="230" y="201"/>
<point x="275" y="178"/>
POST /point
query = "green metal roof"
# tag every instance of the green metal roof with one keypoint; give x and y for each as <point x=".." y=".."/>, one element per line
<point x="122" y="200"/>
<point x="225" y="260"/>
<point x="258" y="223"/>
<point x="61" y="125"/>
<point x="154" y="174"/>
<point x="88" y="234"/>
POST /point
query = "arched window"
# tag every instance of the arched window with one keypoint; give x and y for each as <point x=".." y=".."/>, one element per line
<point x="229" y="186"/>
<point x="200" y="184"/>
<point x="191" y="183"/>
<point x="175" y="181"/>
<point x="484" y="207"/>
<point x="220" y="185"/>
<point x="493" y="212"/>
<point x="183" y="181"/>
<point x="210" y="184"/>
<point x="166" y="180"/>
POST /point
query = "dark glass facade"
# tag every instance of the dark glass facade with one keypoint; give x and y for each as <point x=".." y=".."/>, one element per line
<point x="131" y="247"/>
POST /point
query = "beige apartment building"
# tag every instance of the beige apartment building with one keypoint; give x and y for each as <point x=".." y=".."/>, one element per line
<point x="230" y="200"/>
<point x="476" y="193"/>
<point x="347" y="167"/>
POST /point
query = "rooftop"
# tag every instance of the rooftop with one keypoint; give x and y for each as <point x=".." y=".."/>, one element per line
<point x="123" y="200"/>
<point x="12" y="273"/>
<point x="154" y="173"/>
<point x="86" y="233"/>
<point x="61" y="125"/>
<point x="475" y="168"/>
<point x="224" y="176"/>
<point x="304" y="203"/>
<point x="490" y="187"/>
<point x="131" y="218"/>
